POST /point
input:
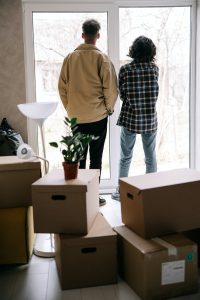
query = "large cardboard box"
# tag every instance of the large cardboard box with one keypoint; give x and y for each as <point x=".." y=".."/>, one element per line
<point x="61" y="206"/>
<point x="194" y="235"/>
<point x="16" y="177"/>
<point x="90" y="260"/>
<point x="16" y="235"/>
<point x="159" y="268"/>
<point x="161" y="203"/>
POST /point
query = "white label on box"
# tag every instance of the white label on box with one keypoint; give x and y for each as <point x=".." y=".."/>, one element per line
<point x="173" y="272"/>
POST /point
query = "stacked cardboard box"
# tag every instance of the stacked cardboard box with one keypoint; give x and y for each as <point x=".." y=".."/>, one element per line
<point x="85" y="244"/>
<point x="16" y="234"/>
<point x="61" y="206"/>
<point x="161" y="203"/>
<point x="157" y="269"/>
<point x="16" y="215"/>
<point x="194" y="235"/>
<point x="154" y="258"/>
<point x="89" y="260"/>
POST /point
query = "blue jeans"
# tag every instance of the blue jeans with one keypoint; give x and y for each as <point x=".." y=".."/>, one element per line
<point x="127" y="143"/>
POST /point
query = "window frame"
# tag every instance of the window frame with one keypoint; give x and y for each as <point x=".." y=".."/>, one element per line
<point x="112" y="8"/>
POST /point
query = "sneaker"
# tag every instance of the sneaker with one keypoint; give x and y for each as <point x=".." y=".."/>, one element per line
<point x="116" y="195"/>
<point x="102" y="201"/>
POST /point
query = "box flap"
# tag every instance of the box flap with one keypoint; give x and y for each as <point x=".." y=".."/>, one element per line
<point x="100" y="231"/>
<point x="170" y="242"/>
<point x="55" y="181"/>
<point x="13" y="163"/>
<point x="178" y="240"/>
<point x="143" y="245"/>
<point x="160" y="179"/>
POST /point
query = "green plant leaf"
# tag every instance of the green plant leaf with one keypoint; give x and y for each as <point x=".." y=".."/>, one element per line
<point x="67" y="120"/>
<point x="74" y="143"/>
<point x="53" y="144"/>
<point x="73" y="122"/>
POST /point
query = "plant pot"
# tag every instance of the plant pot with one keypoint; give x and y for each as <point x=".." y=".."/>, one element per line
<point x="70" y="170"/>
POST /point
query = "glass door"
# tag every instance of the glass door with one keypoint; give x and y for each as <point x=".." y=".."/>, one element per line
<point x="56" y="35"/>
<point x="53" y="30"/>
<point x="170" y="30"/>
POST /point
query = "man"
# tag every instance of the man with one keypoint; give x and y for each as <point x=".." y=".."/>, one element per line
<point x="138" y="87"/>
<point x="88" y="90"/>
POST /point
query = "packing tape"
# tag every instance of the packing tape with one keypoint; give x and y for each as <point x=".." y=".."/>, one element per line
<point x="172" y="250"/>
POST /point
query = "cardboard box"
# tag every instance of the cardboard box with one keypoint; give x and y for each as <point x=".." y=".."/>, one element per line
<point x="194" y="235"/>
<point x="161" y="203"/>
<point x="16" y="177"/>
<point x="61" y="206"/>
<point x="16" y="235"/>
<point x="159" y="268"/>
<point x="90" y="260"/>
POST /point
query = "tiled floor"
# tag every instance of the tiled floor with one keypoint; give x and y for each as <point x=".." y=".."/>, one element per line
<point x="38" y="280"/>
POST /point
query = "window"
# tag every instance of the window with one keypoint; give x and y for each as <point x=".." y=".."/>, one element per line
<point x="56" y="35"/>
<point x="169" y="28"/>
<point x="52" y="30"/>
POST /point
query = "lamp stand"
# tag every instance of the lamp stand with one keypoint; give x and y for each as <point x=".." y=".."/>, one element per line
<point x="44" y="246"/>
<point x="39" y="112"/>
<point x="40" y="125"/>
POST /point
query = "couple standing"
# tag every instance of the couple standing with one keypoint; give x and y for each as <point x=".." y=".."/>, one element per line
<point x="88" y="90"/>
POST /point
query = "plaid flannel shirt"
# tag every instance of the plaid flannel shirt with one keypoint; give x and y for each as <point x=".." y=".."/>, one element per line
<point x="138" y="87"/>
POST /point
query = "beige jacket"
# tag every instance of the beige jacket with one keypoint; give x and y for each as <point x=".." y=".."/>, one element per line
<point x="88" y="84"/>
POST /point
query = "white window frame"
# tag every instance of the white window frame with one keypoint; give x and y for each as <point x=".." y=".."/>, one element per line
<point x="197" y="102"/>
<point x="112" y="7"/>
<point x="29" y="8"/>
<point x="194" y="159"/>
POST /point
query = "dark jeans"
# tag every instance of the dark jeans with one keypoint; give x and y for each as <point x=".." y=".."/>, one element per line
<point x="99" y="129"/>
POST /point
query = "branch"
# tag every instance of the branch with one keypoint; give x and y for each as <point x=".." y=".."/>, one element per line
<point x="50" y="49"/>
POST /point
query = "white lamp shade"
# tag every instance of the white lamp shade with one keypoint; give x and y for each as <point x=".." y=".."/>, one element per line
<point x="38" y="110"/>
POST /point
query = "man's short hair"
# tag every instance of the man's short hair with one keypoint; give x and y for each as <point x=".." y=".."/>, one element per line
<point x="91" y="27"/>
<point x="142" y="50"/>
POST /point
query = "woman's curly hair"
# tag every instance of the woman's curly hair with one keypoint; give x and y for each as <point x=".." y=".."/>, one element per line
<point x="142" y="50"/>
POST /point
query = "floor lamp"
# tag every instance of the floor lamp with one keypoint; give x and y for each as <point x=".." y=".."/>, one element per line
<point x="39" y="112"/>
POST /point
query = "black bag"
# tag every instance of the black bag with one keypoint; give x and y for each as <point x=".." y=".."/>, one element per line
<point x="9" y="139"/>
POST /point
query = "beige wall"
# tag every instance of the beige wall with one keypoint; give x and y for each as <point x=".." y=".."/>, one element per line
<point x="12" y="70"/>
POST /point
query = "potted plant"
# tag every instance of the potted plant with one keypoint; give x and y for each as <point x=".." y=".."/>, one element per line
<point x="72" y="147"/>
